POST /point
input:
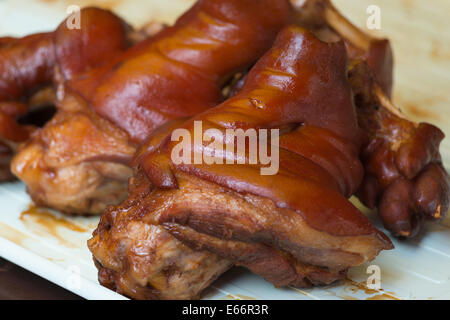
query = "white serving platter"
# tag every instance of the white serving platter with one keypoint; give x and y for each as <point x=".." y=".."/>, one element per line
<point x="54" y="246"/>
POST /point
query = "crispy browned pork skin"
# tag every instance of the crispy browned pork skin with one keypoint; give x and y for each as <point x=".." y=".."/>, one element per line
<point x="78" y="162"/>
<point x="293" y="228"/>
<point x="29" y="65"/>
<point x="404" y="175"/>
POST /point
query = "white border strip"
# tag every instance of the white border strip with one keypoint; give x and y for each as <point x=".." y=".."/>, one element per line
<point x="54" y="273"/>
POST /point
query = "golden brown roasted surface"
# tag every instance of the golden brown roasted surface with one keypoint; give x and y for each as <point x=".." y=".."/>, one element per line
<point x="68" y="175"/>
<point x="293" y="228"/>
<point x="177" y="73"/>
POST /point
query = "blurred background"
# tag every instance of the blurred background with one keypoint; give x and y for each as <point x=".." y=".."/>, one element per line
<point x="419" y="31"/>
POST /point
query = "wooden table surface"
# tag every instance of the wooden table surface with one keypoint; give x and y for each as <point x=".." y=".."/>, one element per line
<point x="17" y="283"/>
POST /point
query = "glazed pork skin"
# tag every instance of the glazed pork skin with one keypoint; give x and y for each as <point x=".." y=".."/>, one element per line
<point x="30" y="65"/>
<point x="294" y="228"/>
<point x="176" y="74"/>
